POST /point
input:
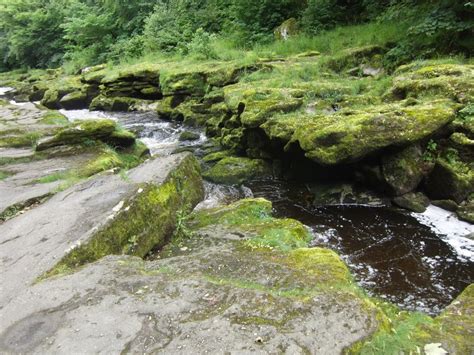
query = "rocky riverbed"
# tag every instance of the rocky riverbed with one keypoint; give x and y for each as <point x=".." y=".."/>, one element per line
<point x="103" y="250"/>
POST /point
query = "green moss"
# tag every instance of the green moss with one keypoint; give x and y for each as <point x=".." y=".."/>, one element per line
<point x="280" y="234"/>
<point x="466" y="212"/>
<point x="323" y="263"/>
<point x="54" y="118"/>
<point x="103" y="103"/>
<point x="404" y="170"/>
<point x="187" y="83"/>
<point x="235" y="170"/>
<point x="353" y="57"/>
<point x="74" y="100"/>
<point x="413" y="201"/>
<point x="4" y="174"/>
<point x="51" y="178"/>
<point x="88" y="131"/>
<point x="241" y="213"/>
<point x="27" y="139"/>
<point x="216" y="156"/>
<point x="188" y="136"/>
<point x="450" y="179"/>
<point x="147" y="219"/>
<point x="349" y="136"/>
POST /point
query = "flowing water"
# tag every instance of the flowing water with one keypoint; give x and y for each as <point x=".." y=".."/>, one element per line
<point x="418" y="261"/>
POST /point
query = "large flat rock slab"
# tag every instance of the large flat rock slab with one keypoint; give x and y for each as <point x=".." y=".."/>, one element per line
<point x="32" y="243"/>
<point x="179" y="305"/>
<point x="25" y="183"/>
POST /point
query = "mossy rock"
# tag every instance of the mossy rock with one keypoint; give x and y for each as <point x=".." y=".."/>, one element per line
<point x="103" y="103"/>
<point x="456" y="324"/>
<point x="121" y="138"/>
<point x="452" y="181"/>
<point x="253" y="218"/>
<point x="354" y="57"/>
<point x="416" y="202"/>
<point x="237" y="170"/>
<point x="463" y="145"/>
<point x="142" y="221"/>
<point x="74" y="101"/>
<point x="89" y="130"/>
<point x="54" y="118"/>
<point x="451" y="81"/>
<point x="287" y="29"/>
<point x="403" y="171"/>
<point x="216" y="156"/>
<point x="51" y="99"/>
<point x="466" y="212"/>
<point x="20" y="139"/>
<point x="189" y="136"/>
<point x="448" y="205"/>
<point x="350" y="136"/>
<point x="187" y="83"/>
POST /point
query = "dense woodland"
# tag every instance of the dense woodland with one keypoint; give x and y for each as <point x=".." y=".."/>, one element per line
<point x="78" y="33"/>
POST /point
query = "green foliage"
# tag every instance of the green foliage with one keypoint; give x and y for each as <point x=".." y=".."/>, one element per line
<point x="80" y="33"/>
<point x="431" y="151"/>
<point x="31" y="33"/>
<point x="200" y="45"/>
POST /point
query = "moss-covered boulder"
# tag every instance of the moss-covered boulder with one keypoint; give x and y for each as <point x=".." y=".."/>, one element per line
<point x="287" y="29"/>
<point x="184" y="83"/>
<point x="350" y="136"/>
<point x="189" y="136"/>
<point x="216" y="156"/>
<point x="455" y="324"/>
<point x="237" y="170"/>
<point x="404" y="170"/>
<point x="452" y="81"/>
<point x="74" y="101"/>
<point x="89" y="130"/>
<point x="448" y="205"/>
<point x="416" y="202"/>
<point x="466" y="212"/>
<point x="103" y="103"/>
<point x="452" y="180"/>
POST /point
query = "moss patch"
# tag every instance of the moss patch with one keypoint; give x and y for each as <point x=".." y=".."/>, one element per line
<point x="236" y="170"/>
<point x="146" y="220"/>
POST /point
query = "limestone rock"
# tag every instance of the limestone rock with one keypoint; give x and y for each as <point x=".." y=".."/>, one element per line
<point x="104" y="130"/>
<point x="339" y="138"/>
<point x="189" y="136"/>
<point x="416" y="202"/>
<point x="237" y="170"/>
<point x="403" y="171"/>
<point x="287" y="29"/>
<point x="104" y="215"/>
<point x="448" y="181"/>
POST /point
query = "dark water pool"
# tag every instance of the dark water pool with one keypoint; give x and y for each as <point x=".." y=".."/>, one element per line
<point x="391" y="253"/>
